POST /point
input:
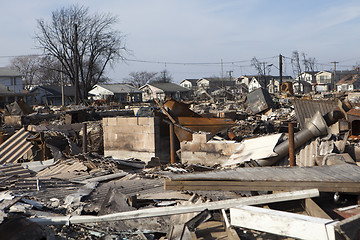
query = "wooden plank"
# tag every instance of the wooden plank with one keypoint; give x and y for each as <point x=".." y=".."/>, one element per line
<point x="348" y="187"/>
<point x="165" y="211"/>
<point x="282" y="223"/>
<point x="334" y="173"/>
<point x="314" y="210"/>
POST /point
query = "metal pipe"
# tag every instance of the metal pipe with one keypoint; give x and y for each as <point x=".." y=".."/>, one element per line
<point x="316" y="127"/>
<point x="291" y="144"/>
<point x="172" y="144"/>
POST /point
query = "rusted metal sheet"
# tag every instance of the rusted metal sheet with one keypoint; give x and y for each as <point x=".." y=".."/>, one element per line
<point x="353" y="116"/>
<point x="177" y="109"/>
<point x="305" y="109"/>
<point x="211" y="125"/>
<point x="15" y="147"/>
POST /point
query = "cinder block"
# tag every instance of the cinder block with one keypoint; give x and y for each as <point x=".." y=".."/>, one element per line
<point x="111" y="121"/>
<point x="145" y="120"/>
<point x="149" y="129"/>
<point x="201" y="137"/>
<point x="210" y="147"/>
<point x="191" y="147"/>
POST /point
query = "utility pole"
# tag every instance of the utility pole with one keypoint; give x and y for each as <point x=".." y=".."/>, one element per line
<point x="222" y="73"/>
<point x="230" y="72"/>
<point x="76" y="63"/>
<point x="280" y="70"/>
<point x="264" y="63"/>
<point x="334" y="86"/>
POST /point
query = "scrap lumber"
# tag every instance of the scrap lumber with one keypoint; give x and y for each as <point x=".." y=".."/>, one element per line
<point x="314" y="210"/>
<point x="164" y="211"/>
<point x="334" y="178"/>
<point x="283" y="223"/>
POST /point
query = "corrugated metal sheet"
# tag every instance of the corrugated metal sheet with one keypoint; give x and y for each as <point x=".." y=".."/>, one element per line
<point x="67" y="169"/>
<point x="11" y="174"/>
<point x="306" y="156"/>
<point x="128" y="188"/>
<point x="305" y="108"/>
<point x="15" y="147"/>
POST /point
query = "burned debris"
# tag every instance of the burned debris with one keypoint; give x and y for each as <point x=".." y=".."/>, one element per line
<point x="228" y="168"/>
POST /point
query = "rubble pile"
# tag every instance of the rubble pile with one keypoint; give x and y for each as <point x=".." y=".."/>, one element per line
<point x="223" y="168"/>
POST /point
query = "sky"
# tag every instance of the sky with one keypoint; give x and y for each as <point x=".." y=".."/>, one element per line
<point x="198" y="38"/>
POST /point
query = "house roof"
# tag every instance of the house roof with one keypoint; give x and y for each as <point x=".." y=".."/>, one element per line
<point x="120" y="88"/>
<point x="168" y="87"/>
<point x="216" y="79"/>
<point x="283" y="77"/>
<point x="192" y="80"/>
<point x="348" y="79"/>
<point x="56" y="90"/>
<point x="8" y="72"/>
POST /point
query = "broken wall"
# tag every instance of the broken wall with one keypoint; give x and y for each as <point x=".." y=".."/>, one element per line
<point x="201" y="150"/>
<point x="136" y="137"/>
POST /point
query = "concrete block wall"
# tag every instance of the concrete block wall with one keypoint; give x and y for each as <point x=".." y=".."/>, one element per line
<point x="126" y="137"/>
<point x="201" y="151"/>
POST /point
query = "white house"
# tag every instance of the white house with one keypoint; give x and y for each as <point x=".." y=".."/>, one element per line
<point x="348" y="83"/>
<point x="12" y="79"/>
<point x="254" y="84"/>
<point x="161" y="90"/>
<point x="212" y="84"/>
<point x="120" y="92"/>
<point x="245" y="79"/>
<point x="308" y="76"/>
<point x="189" y="84"/>
<point x="323" y="81"/>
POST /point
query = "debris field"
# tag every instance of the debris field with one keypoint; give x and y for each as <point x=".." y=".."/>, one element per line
<point x="260" y="167"/>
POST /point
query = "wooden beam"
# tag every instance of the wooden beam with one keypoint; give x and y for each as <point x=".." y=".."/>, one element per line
<point x="283" y="223"/>
<point x="165" y="211"/>
<point x="314" y="210"/>
<point x="231" y="233"/>
<point x="266" y="185"/>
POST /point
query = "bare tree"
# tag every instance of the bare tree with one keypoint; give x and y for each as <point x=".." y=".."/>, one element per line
<point x="28" y="66"/>
<point x="141" y="78"/>
<point x="84" y="44"/>
<point x="164" y="76"/>
<point x="261" y="68"/>
<point x="309" y="63"/>
<point x="296" y="63"/>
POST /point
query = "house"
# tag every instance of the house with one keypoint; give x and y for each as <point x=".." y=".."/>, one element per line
<point x="325" y="79"/>
<point x="120" y="92"/>
<point x="51" y="95"/>
<point x="308" y="76"/>
<point x="161" y="90"/>
<point x="212" y="84"/>
<point x="348" y="83"/>
<point x="189" y="84"/>
<point x="245" y="79"/>
<point x="254" y="84"/>
<point x="274" y="84"/>
<point x="301" y="86"/>
<point x="12" y="79"/>
<point x="7" y="96"/>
